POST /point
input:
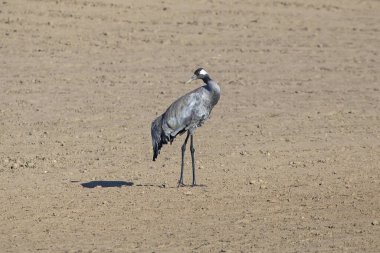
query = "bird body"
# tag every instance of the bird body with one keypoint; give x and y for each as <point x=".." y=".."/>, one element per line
<point x="186" y="113"/>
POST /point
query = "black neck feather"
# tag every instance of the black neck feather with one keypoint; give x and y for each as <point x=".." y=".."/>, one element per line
<point x="206" y="78"/>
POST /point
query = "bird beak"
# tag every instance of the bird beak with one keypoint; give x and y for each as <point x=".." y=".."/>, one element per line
<point x="194" y="77"/>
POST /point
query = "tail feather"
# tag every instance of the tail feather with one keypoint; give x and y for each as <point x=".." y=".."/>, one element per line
<point x="158" y="137"/>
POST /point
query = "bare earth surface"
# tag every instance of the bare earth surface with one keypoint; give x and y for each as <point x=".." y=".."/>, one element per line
<point x="289" y="161"/>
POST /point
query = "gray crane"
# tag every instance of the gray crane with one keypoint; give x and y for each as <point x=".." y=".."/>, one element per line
<point x="185" y="115"/>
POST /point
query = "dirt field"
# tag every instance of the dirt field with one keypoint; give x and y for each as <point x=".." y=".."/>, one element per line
<point x="289" y="161"/>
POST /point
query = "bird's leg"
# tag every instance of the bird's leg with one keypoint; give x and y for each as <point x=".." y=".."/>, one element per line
<point x="192" y="150"/>
<point x="183" y="148"/>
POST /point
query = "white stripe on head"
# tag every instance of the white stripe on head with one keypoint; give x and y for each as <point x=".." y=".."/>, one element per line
<point x="203" y="72"/>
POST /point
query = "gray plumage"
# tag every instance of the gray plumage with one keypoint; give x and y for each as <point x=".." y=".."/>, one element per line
<point x="185" y="114"/>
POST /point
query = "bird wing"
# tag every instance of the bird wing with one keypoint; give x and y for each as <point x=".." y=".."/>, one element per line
<point x="185" y="112"/>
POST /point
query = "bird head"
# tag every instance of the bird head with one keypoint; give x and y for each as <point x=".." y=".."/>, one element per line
<point x="198" y="74"/>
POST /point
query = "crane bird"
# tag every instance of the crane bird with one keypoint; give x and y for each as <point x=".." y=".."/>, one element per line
<point x="185" y="115"/>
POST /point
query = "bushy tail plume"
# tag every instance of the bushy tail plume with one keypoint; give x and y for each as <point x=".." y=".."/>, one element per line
<point x="158" y="137"/>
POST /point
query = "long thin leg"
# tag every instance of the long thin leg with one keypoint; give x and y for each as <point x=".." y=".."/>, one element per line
<point x="183" y="148"/>
<point x="192" y="150"/>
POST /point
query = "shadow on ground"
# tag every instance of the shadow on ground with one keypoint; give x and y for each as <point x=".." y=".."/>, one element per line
<point x="93" y="184"/>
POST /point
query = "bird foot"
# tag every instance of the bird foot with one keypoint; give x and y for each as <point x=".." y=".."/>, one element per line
<point x="180" y="184"/>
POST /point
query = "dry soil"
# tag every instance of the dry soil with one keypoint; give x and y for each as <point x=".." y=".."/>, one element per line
<point x="288" y="162"/>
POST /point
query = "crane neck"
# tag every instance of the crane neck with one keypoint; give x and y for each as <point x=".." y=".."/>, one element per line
<point x="213" y="88"/>
<point x="206" y="79"/>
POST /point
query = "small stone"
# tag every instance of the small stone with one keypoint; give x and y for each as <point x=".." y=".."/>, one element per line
<point x="188" y="193"/>
<point x="375" y="222"/>
<point x="30" y="164"/>
<point x="14" y="166"/>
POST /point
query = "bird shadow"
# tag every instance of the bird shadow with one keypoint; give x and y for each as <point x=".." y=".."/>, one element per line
<point x="101" y="183"/>
<point x="107" y="184"/>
